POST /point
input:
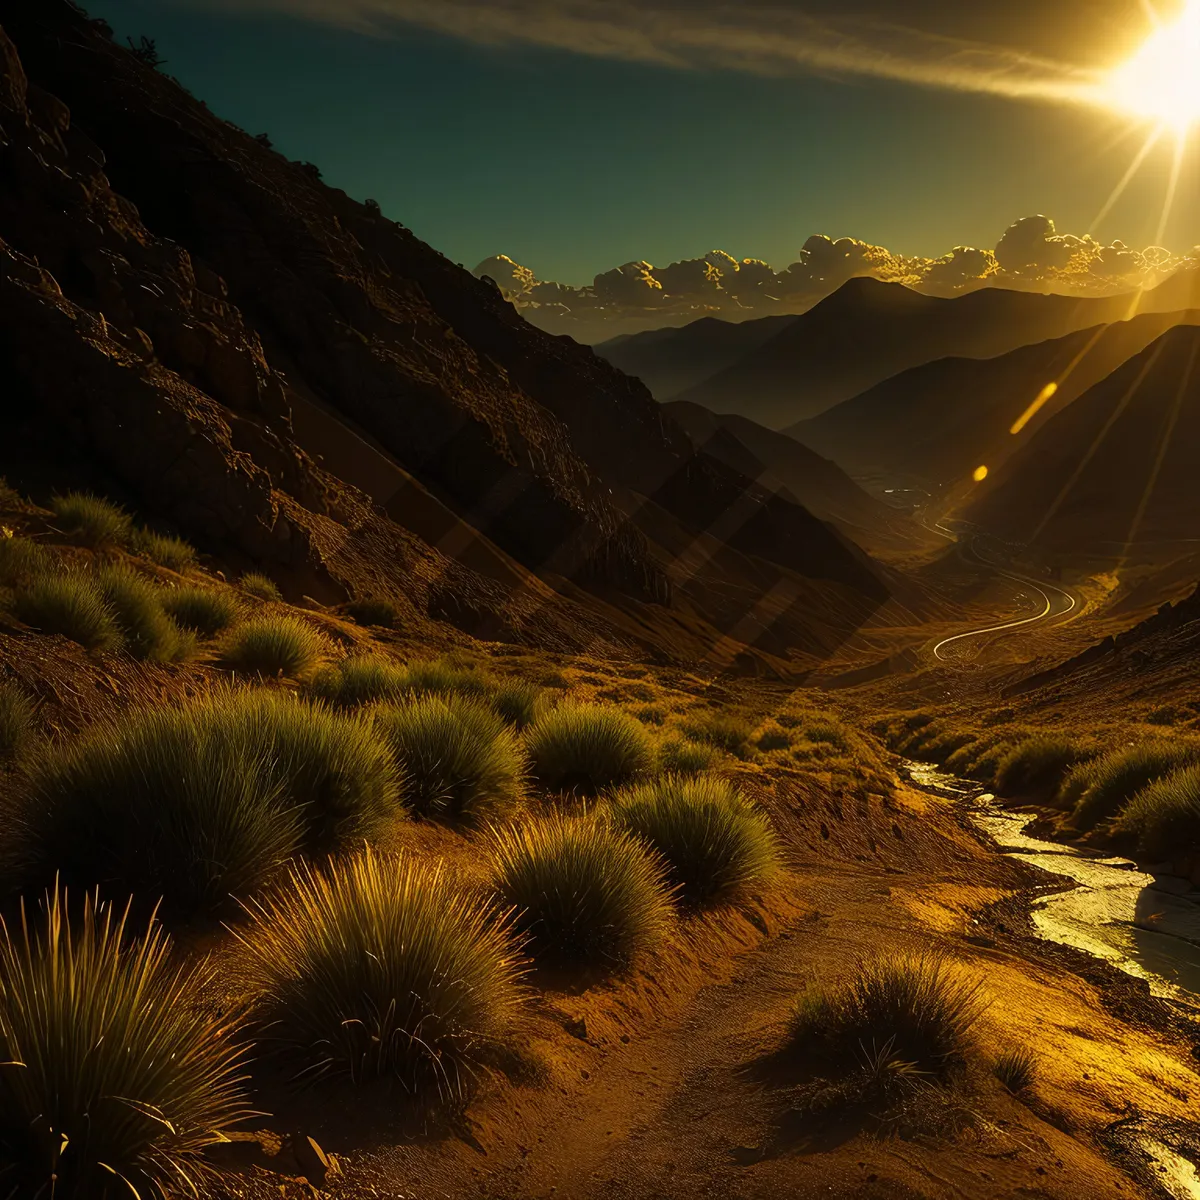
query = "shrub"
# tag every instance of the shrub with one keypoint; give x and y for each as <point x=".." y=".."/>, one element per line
<point x="1016" y="1069"/>
<point x="582" y="889"/>
<point x="912" y="1008"/>
<point x="114" y="1079"/>
<point x="202" y="610"/>
<point x="721" y="730"/>
<point x="16" y="719"/>
<point x="939" y="747"/>
<point x="134" y="601"/>
<point x="1039" y="763"/>
<point x="684" y="757"/>
<point x="438" y="676"/>
<point x="91" y="520"/>
<point x="260" y="585"/>
<point x="832" y="733"/>
<point x="71" y="605"/>
<point x="517" y="702"/>
<point x="375" y="611"/>
<point x="171" y="552"/>
<point x="376" y="968"/>
<point x="1103" y="785"/>
<point x="1164" y="816"/>
<point x="651" y="714"/>
<point x="460" y="760"/>
<point x="274" y="645"/>
<point x="775" y="738"/>
<point x="712" y="839"/>
<point x="584" y="748"/>
<point x="21" y="559"/>
<point x="363" y="679"/>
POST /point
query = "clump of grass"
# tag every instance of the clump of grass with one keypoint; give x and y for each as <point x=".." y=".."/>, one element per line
<point x="713" y="840"/>
<point x="171" y="552"/>
<point x="829" y="732"/>
<point x="914" y="1009"/>
<point x="460" y="761"/>
<point x="1039" y="763"/>
<point x="373" y="611"/>
<point x="203" y="610"/>
<point x="445" y="677"/>
<point x="21" y="559"/>
<point x="145" y="627"/>
<point x="361" y="679"/>
<point x="91" y="520"/>
<point x="377" y="968"/>
<point x="16" y="719"/>
<point x="684" y="757"/>
<point x="69" y="604"/>
<point x="274" y="645"/>
<point x="1164" y="817"/>
<point x="261" y="586"/>
<point x="1016" y="1069"/>
<point x="651" y="714"/>
<point x="116" y="1080"/>
<point x="584" y="748"/>
<point x="721" y="730"/>
<point x="583" y="890"/>
<point x="517" y="702"/>
<point x="1102" y="786"/>
<point x="774" y="738"/>
<point x="939" y="746"/>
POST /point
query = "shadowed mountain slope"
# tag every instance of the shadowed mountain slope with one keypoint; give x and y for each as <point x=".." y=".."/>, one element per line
<point x="868" y="331"/>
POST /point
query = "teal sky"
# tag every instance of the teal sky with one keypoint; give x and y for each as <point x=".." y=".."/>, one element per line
<point x="573" y="163"/>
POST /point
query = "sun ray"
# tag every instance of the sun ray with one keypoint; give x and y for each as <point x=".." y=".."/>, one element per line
<point x="1172" y="188"/>
<point x="1127" y="178"/>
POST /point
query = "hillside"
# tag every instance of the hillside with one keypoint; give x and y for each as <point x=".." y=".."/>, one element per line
<point x="868" y="331"/>
<point x="939" y="421"/>
<point x="1114" y="474"/>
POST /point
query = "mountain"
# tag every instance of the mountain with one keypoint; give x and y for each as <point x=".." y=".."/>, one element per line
<point x="939" y="421"/>
<point x="868" y="331"/>
<point x="1113" y="475"/>
<point x="669" y="361"/>
<point x="205" y="328"/>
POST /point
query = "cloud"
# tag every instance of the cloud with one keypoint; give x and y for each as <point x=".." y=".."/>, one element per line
<point x="761" y="39"/>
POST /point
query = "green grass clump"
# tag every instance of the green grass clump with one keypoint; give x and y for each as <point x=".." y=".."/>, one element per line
<point x="442" y="677"/>
<point x="1016" y="1069"/>
<point x="1164" y="816"/>
<point x="261" y="586"/>
<point x="91" y="520"/>
<point x="517" y="702"/>
<point x="460" y="761"/>
<point x="721" y="730"/>
<point x="16" y="719"/>
<point x="713" y="840"/>
<point x="171" y="552"/>
<point x="651" y="714"/>
<point x="829" y="732"/>
<point x="202" y="610"/>
<point x="1038" y="763"/>
<point x="938" y="747"/>
<point x="583" y="890"/>
<point x="585" y="748"/>
<point x="69" y="604"/>
<point x="912" y="1011"/>
<point x="373" y="611"/>
<point x="774" y="738"/>
<point x="146" y="629"/>
<point x="21" y="559"/>
<point x="1101" y="787"/>
<point x="115" y="1079"/>
<point x="274" y="645"/>
<point x="362" y="679"/>
<point x="377" y="968"/>
<point x="684" y="757"/>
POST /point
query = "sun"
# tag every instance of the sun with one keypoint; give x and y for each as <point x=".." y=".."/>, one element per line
<point x="1162" y="80"/>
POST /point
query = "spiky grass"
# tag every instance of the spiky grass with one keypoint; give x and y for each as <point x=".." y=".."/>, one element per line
<point x="685" y="757"/>
<point x="71" y="605"/>
<point x="261" y="586"/>
<point x="918" y="1008"/>
<point x="444" y="677"/>
<point x="171" y="552"/>
<point x="1040" y="762"/>
<point x="518" y="702"/>
<point x="722" y="730"/>
<point x="373" y="611"/>
<point x="274" y="645"/>
<point x="713" y="840"/>
<point x="585" y="748"/>
<point x="377" y="967"/>
<point x="584" y="892"/>
<point x="91" y="520"/>
<point x="1101" y="787"/>
<point x="115" y="1080"/>
<point x="203" y="610"/>
<point x="146" y="629"/>
<point x="1016" y="1069"/>
<point x="1164" y="817"/>
<point x="362" y="679"/>
<point x="460" y="761"/>
<point x="16" y="719"/>
<point x="21" y="559"/>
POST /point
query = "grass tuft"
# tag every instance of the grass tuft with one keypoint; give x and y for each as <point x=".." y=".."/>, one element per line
<point x="1039" y="763"/>
<point x="91" y="520"/>
<point x="115" y="1079"/>
<point x="362" y="679"/>
<point x="684" y="757"/>
<point x="171" y="552"/>
<point x="583" y="890"/>
<point x="585" y="748"/>
<point x="16" y="719"/>
<point x="460" y="761"/>
<point x="721" y="730"/>
<point x="1016" y="1069"/>
<point x="21" y="559"/>
<point x="255" y="583"/>
<point x="377" y="968"/>
<point x="518" y="702"/>
<point x="133" y="599"/>
<point x="71" y="605"/>
<point x="444" y="677"/>
<point x="274" y="645"/>
<point x="1101" y="787"/>
<point x="1164" y="816"/>
<point x="373" y="611"/>
<point x="713" y="840"/>
<point x="202" y="610"/>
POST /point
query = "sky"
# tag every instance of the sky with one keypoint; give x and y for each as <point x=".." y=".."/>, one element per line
<point x="575" y="135"/>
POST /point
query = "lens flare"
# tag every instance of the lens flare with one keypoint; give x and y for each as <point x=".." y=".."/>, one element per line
<point x="1161" y="82"/>
<point x="980" y="474"/>
<point x="1047" y="393"/>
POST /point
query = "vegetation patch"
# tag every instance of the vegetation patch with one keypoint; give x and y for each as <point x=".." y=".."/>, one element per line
<point x="22" y="559"/>
<point x="721" y="730"/>
<point x="584" y="748"/>
<point x="69" y="604"/>
<point x="171" y="552"/>
<point x="1016" y="1069"/>
<point x="146" y="629"/>
<point x="518" y="702"/>
<point x="1164" y="817"/>
<point x="376" y="968"/>
<point x="1101" y="787"/>
<point x="16" y="719"/>
<point x="373" y="611"/>
<point x="274" y="645"/>
<point x="261" y="586"/>
<point x="202" y="610"/>
<point x="362" y="679"/>
<point x="1038" y="763"/>
<point x="683" y="757"/>
<point x="443" y="677"/>
<point x="91" y="520"/>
